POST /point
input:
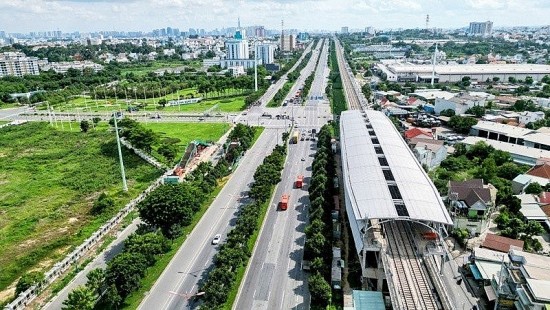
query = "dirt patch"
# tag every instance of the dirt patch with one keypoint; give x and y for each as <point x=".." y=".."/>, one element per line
<point x="73" y="220"/>
<point x="28" y="243"/>
<point x="7" y="293"/>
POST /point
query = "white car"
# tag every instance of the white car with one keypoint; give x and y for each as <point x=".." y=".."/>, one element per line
<point x="216" y="239"/>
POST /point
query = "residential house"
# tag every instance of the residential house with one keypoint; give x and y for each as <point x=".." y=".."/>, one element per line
<point x="472" y="198"/>
<point x="524" y="282"/>
<point x="527" y="117"/>
<point x="428" y="152"/>
<point x="500" y="243"/>
<point x="418" y="133"/>
<point x="459" y="103"/>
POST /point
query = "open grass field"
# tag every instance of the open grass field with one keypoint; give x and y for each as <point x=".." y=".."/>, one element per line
<point x="143" y="70"/>
<point x="187" y="132"/>
<point x="232" y="103"/>
<point x="49" y="180"/>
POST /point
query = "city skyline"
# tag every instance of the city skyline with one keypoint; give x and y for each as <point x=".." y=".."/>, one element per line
<point x="103" y="15"/>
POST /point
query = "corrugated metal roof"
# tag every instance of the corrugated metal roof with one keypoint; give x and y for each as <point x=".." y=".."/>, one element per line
<point x="364" y="179"/>
<point x="368" y="300"/>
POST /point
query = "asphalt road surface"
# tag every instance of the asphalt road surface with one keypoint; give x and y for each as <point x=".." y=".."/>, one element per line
<point x="274" y="278"/>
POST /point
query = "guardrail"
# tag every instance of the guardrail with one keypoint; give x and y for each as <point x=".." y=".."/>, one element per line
<point x="143" y="155"/>
<point x="436" y="280"/>
<point x="24" y="298"/>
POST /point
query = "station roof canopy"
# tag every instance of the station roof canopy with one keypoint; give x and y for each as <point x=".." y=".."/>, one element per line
<point x="382" y="177"/>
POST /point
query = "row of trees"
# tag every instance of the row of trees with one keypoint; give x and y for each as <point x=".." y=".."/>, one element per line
<point x="335" y="88"/>
<point x="318" y="246"/>
<point x="235" y="252"/>
<point x="309" y="80"/>
<point x="291" y="77"/>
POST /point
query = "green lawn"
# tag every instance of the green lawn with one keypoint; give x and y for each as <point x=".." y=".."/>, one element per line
<point x="3" y="122"/>
<point x="142" y="70"/>
<point x="232" y="103"/>
<point x="187" y="132"/>
<point x="49" y="179"/>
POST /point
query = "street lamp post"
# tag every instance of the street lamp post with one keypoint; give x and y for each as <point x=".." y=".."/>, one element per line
<point x="124" y="185"/>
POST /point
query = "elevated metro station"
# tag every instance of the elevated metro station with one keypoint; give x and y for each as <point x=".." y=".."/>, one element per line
<point x="397" y="217"/>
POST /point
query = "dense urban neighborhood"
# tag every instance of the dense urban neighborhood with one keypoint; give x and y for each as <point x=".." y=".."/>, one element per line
<point x="246" y="167"/>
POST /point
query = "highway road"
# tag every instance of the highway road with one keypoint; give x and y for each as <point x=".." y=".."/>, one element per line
<point x="274" y="278"/>
<point x="191" y="263"/>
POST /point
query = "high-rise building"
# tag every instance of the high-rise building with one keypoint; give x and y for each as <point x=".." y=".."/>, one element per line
<point x="288" y="43"/>
<point x="345" y="30"/>
<point x="265" y="52"/>
<point x="481" y="28"/>
<point x="260" y="32"/>
<point x="237" y="49"/>
<point x="17" y="64"/>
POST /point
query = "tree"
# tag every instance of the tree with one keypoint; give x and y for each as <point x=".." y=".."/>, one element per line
<point x="96" y="278"/>
<point x="81" y="298"/>
<point x="112" y="297"/>
<point x="169" y="151"/>
<point x="28" y="280"/>
<point x="447" y="112"/>
<point x="462" y="124"/>
<point x="150" y="245"/>
<point x="170" y="206"/>
<point x="162" y="102"/>
<point x="84" y="125"/>
<point x="533" y="188"/>
<point x="533" y="228"/>
<point x="125" y="272"/>
<point x="320" y="290"/>
<point x="512" y="79"/>
<point x="96" y="120"/>
<point x="528" y="80"/>
<point x="508" y="171"/>
<point x="476" y="110"/>
<point x="102" y="203"/>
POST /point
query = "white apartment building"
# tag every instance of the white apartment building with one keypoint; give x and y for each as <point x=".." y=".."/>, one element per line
<point x="237" y="49"/>
<point x="17" y="64"/>
<point x="481" y="28"/>
<point x="266" y="52"/>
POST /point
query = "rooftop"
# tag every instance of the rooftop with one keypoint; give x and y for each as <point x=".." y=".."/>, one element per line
<point x="538" y="137"/>
<point x="541" y="171"/>
<point x="500" y="243"/>
<point x="401" y="188"/>
<point x="471" y="68"/>
<point x="510" y="131"/>
<point x="368" y="300"/>
<point x="514" y="149"/>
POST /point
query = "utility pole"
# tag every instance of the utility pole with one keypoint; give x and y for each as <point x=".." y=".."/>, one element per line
<point x="124" y="185"/>
<point x="255" y="65"/>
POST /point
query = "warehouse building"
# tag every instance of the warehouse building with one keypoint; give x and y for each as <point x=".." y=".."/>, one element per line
<point x="401" y="72"/>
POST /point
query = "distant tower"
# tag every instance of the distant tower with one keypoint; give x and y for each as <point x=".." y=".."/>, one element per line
<point x="239" y="22"/>
<point x="427" y="23"/>
<point x="433" y="65"/>
<point x="282" y="35"/>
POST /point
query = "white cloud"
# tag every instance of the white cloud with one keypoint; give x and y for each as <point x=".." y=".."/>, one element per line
<point x="86" y="15"/>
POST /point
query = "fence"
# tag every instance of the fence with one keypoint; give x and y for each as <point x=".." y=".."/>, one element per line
<point x="24" y="298"/>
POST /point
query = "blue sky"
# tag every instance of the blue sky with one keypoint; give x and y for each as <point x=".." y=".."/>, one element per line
<point x="131" y="15"/>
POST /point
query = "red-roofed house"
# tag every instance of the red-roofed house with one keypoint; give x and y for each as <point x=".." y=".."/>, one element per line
<point x="544" y="198"/>
<point x="500" y="243"/>
<point x="418" y="133"/>
<point x="540" y="170"/>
